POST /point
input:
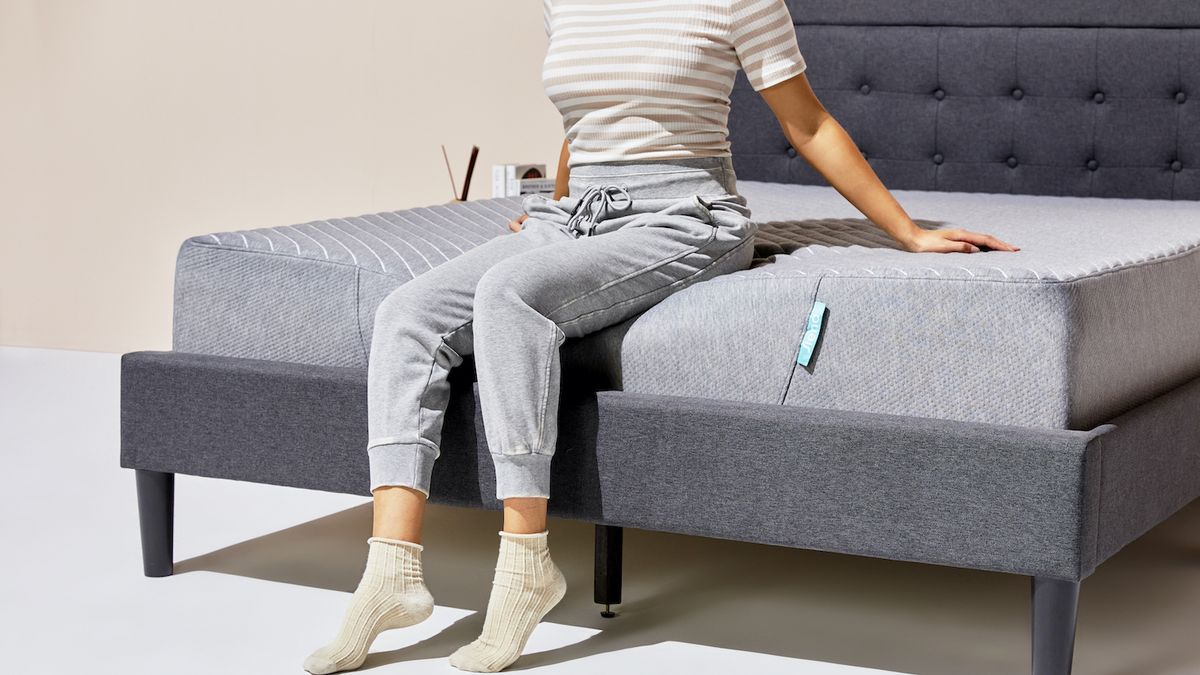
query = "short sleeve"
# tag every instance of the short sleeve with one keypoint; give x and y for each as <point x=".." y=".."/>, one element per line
<point x="546" y="16"/>
<point x="764" y="37"/>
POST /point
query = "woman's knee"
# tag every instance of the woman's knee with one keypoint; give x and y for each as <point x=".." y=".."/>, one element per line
<point x="400" y="307"/>
<point x="421" y="313"/>
<point x="505" y="286"/>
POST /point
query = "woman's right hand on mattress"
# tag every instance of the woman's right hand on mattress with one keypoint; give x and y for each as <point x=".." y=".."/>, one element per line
<point x="954" y="240"/>
<point x="515" y="223"/>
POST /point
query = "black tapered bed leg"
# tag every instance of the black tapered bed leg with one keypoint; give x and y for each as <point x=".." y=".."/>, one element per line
<point x="156" y="515"/>
<point x="1055" y="604"/>
<point x="608" y="568"/>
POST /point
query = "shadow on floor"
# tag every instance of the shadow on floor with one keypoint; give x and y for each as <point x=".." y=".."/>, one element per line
<point x="1137" y="612"/>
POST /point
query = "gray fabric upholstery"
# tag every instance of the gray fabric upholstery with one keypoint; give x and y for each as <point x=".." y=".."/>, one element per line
<point x="974" y="495"/>
<point x="922" y="334"/>
<point x="268" y="305"/>
<point x="1041" y="110"/>
<point x="1118" y="13"/>
<point x="1151" y="467"/>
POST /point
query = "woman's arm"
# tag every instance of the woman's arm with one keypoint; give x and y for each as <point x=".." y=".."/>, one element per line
<point x="561" y="187"/>
<point x="824" y="144"/>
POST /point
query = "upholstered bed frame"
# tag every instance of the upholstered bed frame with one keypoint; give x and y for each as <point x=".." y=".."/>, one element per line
<point x="1098" y="99"/>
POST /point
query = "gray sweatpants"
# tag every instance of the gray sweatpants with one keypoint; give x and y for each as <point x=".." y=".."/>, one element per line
<point x="629" y="234"/>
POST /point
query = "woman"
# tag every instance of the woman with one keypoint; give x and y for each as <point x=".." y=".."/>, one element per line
<point x="646" y="204"/>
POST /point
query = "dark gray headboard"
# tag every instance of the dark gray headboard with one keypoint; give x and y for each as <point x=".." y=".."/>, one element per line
<point x="1097" y="98"/>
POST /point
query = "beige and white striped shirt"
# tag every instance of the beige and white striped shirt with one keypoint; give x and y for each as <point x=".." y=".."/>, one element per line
<point x="650" y="79"/>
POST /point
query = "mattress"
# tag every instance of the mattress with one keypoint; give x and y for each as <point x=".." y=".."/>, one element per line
<point x="1095" y="314"/>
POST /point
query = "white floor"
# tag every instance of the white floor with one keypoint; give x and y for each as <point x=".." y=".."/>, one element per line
<point x="263" y="574"/>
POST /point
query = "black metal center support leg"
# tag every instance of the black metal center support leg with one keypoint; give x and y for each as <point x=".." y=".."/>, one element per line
<point x="156" y="514"/>
<point x="1055" y="605"/>
<point x="608" y="568"/>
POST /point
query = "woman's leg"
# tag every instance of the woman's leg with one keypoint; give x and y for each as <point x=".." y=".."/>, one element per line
<point x="525" y="515"/>
<point x="526" y="585"/>
<point x="398" y="512"/>
<point x="528" y="305"/>
<point x="525" y="307"/>
<point x="421" y="331"/>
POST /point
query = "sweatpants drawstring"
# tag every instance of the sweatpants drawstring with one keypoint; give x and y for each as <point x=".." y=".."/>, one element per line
<point x="595" y="200"/>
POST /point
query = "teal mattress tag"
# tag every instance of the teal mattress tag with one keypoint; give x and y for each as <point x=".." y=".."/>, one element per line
<point x="812" y="331"/>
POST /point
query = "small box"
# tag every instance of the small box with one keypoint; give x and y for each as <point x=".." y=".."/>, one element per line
<point x="526" y="186"/>
<point x="514" y="180"/>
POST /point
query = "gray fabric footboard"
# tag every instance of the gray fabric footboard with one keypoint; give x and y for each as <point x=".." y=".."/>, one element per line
<point x="1004" y="498"/>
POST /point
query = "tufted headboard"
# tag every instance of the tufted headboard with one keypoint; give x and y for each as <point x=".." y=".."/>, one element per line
<point x="1055" y="97"/>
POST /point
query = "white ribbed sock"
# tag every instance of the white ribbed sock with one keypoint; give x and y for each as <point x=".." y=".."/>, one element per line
<point x="391" y="594"/>
<point x="526" y="586"/>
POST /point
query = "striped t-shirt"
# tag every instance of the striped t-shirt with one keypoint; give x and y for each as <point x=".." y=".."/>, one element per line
<point x="650" y="79"/>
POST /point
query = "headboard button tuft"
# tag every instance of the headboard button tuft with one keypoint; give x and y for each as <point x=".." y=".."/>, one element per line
<point x="1098" y="97"/>
<point x="938" y="159"/>
<point x="1012" y="162"/>
<point x="1092" y="165"/>
<point x="939" y="94"/>
<point x="1018" y="94"/>
<point x="791" y="152"/>
<point x="1180" y="97"/>
<point x="1177" y="166"/>
<point x="866" y="89"/>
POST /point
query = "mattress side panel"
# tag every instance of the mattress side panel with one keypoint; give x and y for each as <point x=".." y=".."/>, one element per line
<point x="731" y="337"/>
<point x="983" y="351"/>
<point x="250" y="304"/>
<point x="1139" y="336"/>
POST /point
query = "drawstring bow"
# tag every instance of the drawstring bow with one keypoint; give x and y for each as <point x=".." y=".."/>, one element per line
<point x="597" y="199"/>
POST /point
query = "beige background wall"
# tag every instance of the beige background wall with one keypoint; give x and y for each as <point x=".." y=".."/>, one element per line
<point x="129" y="125"/>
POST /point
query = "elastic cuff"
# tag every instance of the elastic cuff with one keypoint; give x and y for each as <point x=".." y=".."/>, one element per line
<point x="524" y="535"/>
<point x="405" y="464"/>
<point x="409" y="544"/>
<point x="525" y="475"/>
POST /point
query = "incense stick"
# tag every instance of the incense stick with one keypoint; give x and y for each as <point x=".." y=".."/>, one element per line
<point x="453" y="187"/>
<point x="470" y="170"/>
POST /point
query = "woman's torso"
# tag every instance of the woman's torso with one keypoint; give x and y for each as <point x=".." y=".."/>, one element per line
<point x="646" y="79"/>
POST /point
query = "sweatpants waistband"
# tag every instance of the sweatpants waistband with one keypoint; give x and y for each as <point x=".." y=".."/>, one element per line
<point x="658" y="178"/>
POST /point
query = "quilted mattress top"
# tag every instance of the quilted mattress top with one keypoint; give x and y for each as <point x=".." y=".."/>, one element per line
<point x="1061" y="238"/>
<point x="802" y="229"/>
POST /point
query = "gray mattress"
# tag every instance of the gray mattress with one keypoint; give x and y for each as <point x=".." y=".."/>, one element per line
<point x="1097" y="313"/>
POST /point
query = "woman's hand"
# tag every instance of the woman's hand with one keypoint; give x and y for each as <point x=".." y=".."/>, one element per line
<point x="954" y="240"/>
<point x="515" y="223"/>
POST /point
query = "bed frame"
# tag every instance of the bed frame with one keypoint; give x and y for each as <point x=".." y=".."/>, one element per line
<point x="1016" y="96"/>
